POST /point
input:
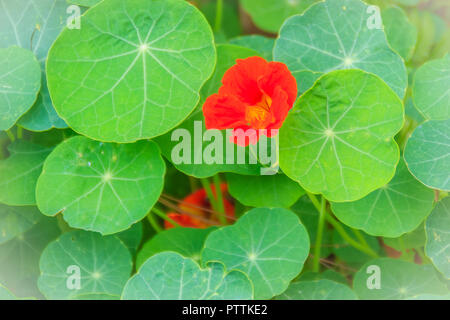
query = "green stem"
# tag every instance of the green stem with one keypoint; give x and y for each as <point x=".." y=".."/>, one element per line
<point x="320" y="226"/>
<point x="219" y="11"/>
<point x="355" y="244"/>
<point x="19" y="133"/>
<point x="220" y="204"/>
<point x="154" y="223"/>
<point x="11" y="135"/>
<point x="340" y="229"/>
<point x="207" y="186"/>
<point x="163" y="216"/>
<point x="360" y="237"/>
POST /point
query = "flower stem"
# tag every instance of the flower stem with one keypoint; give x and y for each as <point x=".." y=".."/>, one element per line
<point x="220" y="205"/>
<point x="219" y="11"/>
<point x="163" y="216"/>
<point x="212" y="199"/>
<point x="154" y="223"/>
<point x="318" y="245"/>
<point x="11" y="135"/>
<point x="19" y="132"/>
<point x="340" y="229"/>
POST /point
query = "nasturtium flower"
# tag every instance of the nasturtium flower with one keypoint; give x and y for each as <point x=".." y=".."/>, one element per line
<point x="255" y="94"/>
<point x="197" y="204"/>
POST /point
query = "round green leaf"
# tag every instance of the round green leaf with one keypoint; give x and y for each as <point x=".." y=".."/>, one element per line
<point x="133" y="70"/>
<point x="188" y="138"/>
<point x="317" y="290"/>
<point x="19" y="258"/>
<point x="398" y="280"/>
<point x="14" y="221"/>
<point x="186" y="241"/>
<point x="269" y="245"/>
<point x="397" y="208"/>
<point x="20" y="82"/>
<point x="132" y="237"/>
<point x="427" y="154"/>
<point x="269" y="15"/>
<point x="437" y="226"/>
<point x="24" y="23"/>
<point x="431" y="89"/>
<point x="264" y="191"/>
<point x="335" y="34"/>
<point x="98" y="186"/>
<point x="338" y="138"/>
<point x="104" y="270"/>
<point x="400" y="32"/>
<point x="20" y="171"/>
<point x="169" y="276"/>
<point x="263" y="45"/>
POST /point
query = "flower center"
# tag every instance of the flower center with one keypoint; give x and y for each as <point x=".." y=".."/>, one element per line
<point x="259" y="116"/>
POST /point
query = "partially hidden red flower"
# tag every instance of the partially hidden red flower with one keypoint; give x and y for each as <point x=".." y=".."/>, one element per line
<point x="197" y="204"/>
<point x="255" y="94"/>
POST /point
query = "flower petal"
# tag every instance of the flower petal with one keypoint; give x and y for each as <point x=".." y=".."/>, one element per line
<point x="241" y="80"/>
<point x="223" y="112"/>
<point x="278" y="75"/>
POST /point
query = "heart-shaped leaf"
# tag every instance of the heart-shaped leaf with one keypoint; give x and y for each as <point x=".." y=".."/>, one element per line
<point x="269" y="15"/>
<point x="338" y="34"/>
<point x="400" y="32"/>
<point x="389" y="279"/>
<point x="437" y="247"/>
<point x="186" y="241"/>
<point x="24" y="23"/>
<point x="269" y="245"/>
<point x="68" y="272"/>
<point x="169" y="276"/>
<point x="397" y="208"/>
<point x="102" y="187"/>
<point x="427" y="154"/>
<point x="338" y="138"/>
<point x="132" y="71"/>
<point x="20" y="171"/>
<point x="14" y="221"/>
<point x="20" y="82"/>
<point x="317" y="290"/>
<point x="431" y="89"/>
<point x="264" y="191"/>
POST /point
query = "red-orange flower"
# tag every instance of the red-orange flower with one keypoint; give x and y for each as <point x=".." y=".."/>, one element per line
<point x="255" y="94"/>
<point x="197" y="204"/>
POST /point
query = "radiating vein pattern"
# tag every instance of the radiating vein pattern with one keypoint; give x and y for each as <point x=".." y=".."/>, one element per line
<point x="427" y="154"/>
<point x="335" y="34"/>
<point x="103" y="265"/>
<point x="170" y="276"/>
<point x="269" y="245"/>
<point x="133" y="70"/>
<point x="338" y="138"/>
<point x="20" y="82"/>
<point x="394" y="209"/>
<point x="99" y="186"/>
